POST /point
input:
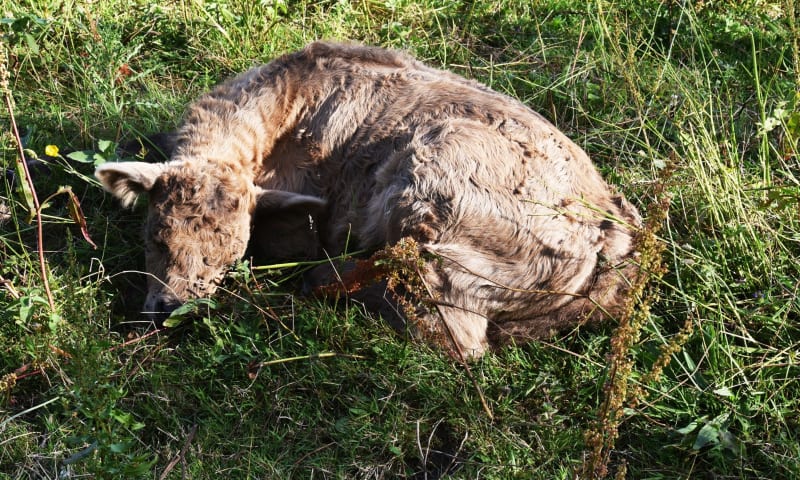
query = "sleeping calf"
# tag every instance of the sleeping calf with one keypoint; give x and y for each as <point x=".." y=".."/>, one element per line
<point x="521" y="235"/>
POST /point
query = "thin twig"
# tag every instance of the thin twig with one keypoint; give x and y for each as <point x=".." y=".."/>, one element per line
<point x="27" y="411"/>
<point x="313" y="452"/>
<point x="306" y="263"/>
<point x="181" y="455"/>
<point x="137" y="339"/>
<point x="308" y="357"/>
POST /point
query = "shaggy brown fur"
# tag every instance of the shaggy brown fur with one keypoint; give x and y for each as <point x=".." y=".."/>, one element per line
<point x="527" y="239"/>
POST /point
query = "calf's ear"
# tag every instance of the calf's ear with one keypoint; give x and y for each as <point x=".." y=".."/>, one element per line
<point x="126" y="180"/>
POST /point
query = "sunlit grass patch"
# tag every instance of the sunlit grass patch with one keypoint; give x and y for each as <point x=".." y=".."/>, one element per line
<point x="262" y="383"/>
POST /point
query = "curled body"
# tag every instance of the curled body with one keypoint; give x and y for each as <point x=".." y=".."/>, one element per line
<point x="524" y="237"/>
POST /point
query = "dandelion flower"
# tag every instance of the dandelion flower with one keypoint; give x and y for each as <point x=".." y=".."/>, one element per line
<point x="51" y="151"/>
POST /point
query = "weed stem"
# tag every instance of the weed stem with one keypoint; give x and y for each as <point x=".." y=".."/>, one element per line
<point x="4" y="85"/>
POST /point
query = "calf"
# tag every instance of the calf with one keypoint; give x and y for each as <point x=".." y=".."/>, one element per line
<point x="519" y="234"/>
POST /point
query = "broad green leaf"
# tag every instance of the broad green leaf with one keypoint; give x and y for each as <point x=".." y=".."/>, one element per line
<point x="104" y="145"/>
<point x="173" y="321"/>
<point x="690" y="365"/>
<point x="709" y="434"/>
<point x="119" y="447"/>
<point x="54" y="320"/>
<point x="24" y="189"/>
<point x="793" y="124"/>
<point x="76" y="214"/>
<point x="25" y="306"/>
<point x="191" y="307"/>
<point x="32" y="46"/>
<point x="122" y="417"/>
<point x="690" y="427"/>
<point x="724" y="392"/>
<point x="84" y="156"/>
<point x="139" y="466"/>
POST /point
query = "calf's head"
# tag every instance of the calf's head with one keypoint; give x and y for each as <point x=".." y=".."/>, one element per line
<point x="198" y="223"/>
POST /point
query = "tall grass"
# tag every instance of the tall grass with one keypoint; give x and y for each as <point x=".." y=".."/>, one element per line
<point x="692" y="102"/>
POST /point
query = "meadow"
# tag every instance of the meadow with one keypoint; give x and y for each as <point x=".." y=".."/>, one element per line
<point x="690" y="108"/>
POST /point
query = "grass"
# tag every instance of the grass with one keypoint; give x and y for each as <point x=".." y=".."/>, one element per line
<point x="697" y="100"/>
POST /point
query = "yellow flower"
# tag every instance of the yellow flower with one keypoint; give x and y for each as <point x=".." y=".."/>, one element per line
<point x="51" y="151"/>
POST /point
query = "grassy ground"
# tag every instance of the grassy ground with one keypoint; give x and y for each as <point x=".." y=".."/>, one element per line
<point x="698" y="99"/>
